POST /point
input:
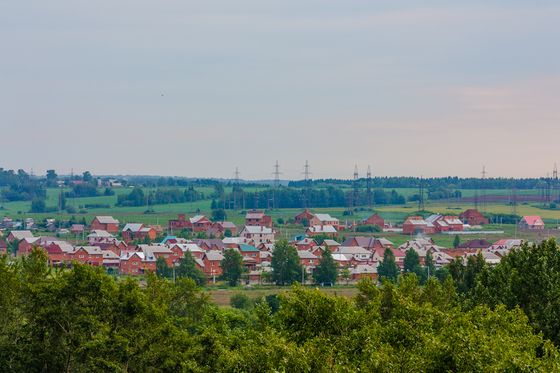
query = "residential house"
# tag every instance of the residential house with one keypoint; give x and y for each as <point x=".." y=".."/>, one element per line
<point x="97" y="237"/>
<point x="473" y="217"/>
<point x="417" y="225"/>
<point x="374" y="219"/>
<point x="307" y="258"/>
<point x="90" y="255"/>
<point x="532" y="222"/>
<point x="304" y="217"/>
<point x="105" y="223"/>
<point x="317" y="230"/>
<point x="368" y="242"/>
<point x="258" y="234"/>
<point x="212" y="263"/>
<point x="139" y="232"/>
<point x="258" y="218"/>
<point x="361" y="271"/>
<point x="18" y="235"/>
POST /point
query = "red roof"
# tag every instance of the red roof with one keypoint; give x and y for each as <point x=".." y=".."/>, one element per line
<point x="533" y="220"/>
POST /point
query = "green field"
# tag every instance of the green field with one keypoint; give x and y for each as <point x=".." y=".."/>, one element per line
<point x="394" y="214"/>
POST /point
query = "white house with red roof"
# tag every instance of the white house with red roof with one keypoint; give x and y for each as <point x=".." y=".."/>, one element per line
<point x="531" y="222"/>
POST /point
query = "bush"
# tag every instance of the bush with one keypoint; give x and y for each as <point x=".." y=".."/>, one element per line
<point x="241" y="302"/>
<point x="368" y="228"/>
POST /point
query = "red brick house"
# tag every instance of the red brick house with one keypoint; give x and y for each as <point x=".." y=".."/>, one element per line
<point x="219" y="228"/>
<point x="212" y="263"/>
<point x="132" y="263"/>
<point x="370" y="243"/>
<point x="307" y="258"/>
<point x="473" y="217"/>
<point x="531" y="222"/>
<point x="258" y="218"/>
<point x="137" y="231"/>
<point x="27" y="244"/>
<point x="200" y="223"/>
<point x="90" y="255"/>
<point x="374" y="219"/>
<point x="180" y="223"/>
<point x="417" y="224"/>
<point x="105" y="223"/>
<point x="18" y="236"/>
<point x="304" y="217"/>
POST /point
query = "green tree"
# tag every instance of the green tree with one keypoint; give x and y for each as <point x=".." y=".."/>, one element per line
<point x="528" y="278"/>
<point x="38" y="205"/>
<point x="327" y="270"/>
<point x="346" y="275"/>
<point x="232" y="267"/>
<point x="162" y="269"/>
<point x="456" y="241"/>
<point x="286" y="268"/>
<point x="52" y="178"/>
<point x="388" y="268"/>
<point x="219" y="215"/>
<point x="187" y="268"/>
<point x="411" y="261"/>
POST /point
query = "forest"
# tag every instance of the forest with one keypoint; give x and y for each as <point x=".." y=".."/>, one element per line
<point x="477" y="319"/>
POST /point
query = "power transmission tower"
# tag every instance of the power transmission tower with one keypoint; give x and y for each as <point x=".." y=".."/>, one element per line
<point x="555" y="190"/>
<point x="421" y="195"/>
<point x="234" y="187"/>
<point x="513" y="198"/>
<point x="368" y="186"/>
<point x="277" y="174"/>
<point x="356" y="191"/>
<point x="307" y="178"/>
<point x="482" y="189"/>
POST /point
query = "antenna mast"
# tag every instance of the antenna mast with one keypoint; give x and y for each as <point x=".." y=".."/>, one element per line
<point x="368" y="186"/>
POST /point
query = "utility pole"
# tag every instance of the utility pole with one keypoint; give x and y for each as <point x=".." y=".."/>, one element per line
<point x="368" y="186"/>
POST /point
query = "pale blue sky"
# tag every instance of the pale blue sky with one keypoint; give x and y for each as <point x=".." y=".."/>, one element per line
<point x="429" y="88"/>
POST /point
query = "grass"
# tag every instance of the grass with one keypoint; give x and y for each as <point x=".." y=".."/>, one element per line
<point x="221" y="297"/>
<point x="394" y="214"/>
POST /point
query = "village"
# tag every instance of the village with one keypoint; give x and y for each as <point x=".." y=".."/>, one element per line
<point x="134" y="248"/>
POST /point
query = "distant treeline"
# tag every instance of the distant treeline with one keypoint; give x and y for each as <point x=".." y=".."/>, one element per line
<point x="20" y="186"/>
<point x="160" y="197"/>
<point x="434" y="183"/>
<point x="286" y="197"/>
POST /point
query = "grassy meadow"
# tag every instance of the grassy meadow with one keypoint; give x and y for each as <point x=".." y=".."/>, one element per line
<point x="394" y="214"/>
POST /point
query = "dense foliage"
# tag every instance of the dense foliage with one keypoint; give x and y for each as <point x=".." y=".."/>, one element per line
<point x="84" y="320"/>
<point x="137" y="197"/>
<point x="289" y="197"/>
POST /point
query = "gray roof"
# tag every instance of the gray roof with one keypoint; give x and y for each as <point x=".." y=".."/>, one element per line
<point x="133" y="227"/>
<point x="20" y="235"/>
<point x="107" y="220"/>
<point x="304" y="254"/>
<point x="214" y="255"/>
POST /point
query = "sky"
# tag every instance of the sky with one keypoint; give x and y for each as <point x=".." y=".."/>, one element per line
<point x="198" y="88"/>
